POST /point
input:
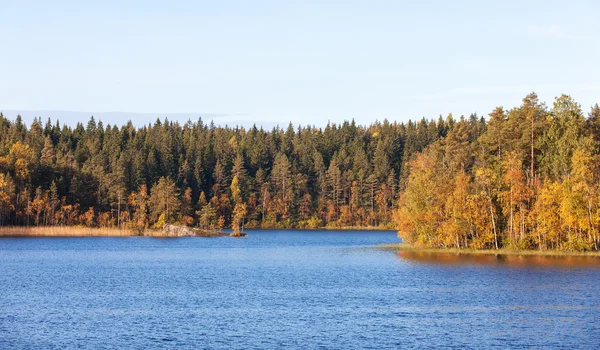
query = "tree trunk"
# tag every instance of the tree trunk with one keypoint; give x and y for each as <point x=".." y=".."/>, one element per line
<point x="119" y="213"/>
<point x="494" y="224"/>
<point x="532" y="153"/>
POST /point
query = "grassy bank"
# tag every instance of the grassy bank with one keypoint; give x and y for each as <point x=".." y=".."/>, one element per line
<point x="63" y="231"/>
<point x="503" y="251"/>
<point x="79" y="231"/>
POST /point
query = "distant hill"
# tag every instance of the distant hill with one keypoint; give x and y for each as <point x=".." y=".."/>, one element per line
<point x="138" y="119"/>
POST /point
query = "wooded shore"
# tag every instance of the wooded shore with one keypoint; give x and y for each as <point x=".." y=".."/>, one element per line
<point x="524" y="178"/>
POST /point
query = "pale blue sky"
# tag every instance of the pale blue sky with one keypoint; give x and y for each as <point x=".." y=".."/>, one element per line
<point x="304" y="61"/>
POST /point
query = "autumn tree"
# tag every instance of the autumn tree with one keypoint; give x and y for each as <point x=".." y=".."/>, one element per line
<point x="239" y="209"/>
<point x="164" y="202"/>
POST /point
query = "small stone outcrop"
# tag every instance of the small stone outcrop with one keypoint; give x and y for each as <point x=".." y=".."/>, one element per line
<point x="170" y="230"/>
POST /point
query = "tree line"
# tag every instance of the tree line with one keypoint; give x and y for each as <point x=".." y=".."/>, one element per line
<point x="528" y="180"/>
<point x="198" y="174"/>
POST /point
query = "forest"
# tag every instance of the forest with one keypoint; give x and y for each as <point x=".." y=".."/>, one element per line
<point x="520" y="178"/>
<point x="527" y="180"/>
<point x="198" y="174"/>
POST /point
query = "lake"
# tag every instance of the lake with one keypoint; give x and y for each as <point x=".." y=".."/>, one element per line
<point x="287" y="289"/>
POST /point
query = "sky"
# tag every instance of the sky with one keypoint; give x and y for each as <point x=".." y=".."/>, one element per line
<point x="307" y="61"/>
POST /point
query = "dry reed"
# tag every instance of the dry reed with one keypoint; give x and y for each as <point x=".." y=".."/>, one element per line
<point x="62" y="231"/>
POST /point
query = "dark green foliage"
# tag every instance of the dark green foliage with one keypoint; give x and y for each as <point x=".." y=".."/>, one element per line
<point x="291" y="177"/>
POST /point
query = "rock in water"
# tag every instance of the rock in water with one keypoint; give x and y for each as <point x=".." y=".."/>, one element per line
<point x="184" y="231"/>
<point x="238" y="234"/>
<point x="177" y="231"/>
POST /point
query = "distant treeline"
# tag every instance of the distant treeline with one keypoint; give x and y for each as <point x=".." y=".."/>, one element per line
<point x="527" y="180"/>
<point x="201" y="175"/>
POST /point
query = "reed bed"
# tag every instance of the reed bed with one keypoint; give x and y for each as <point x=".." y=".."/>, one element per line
<point x="63" y="231"/>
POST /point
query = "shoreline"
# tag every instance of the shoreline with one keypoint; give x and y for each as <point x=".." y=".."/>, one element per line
<point x="345" y="228"/>
<point x="79" y="231"/>
<point x="64" y="231"/>
<point x="501" y="251"/>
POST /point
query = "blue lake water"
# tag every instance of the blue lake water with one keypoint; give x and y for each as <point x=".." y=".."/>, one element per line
<point x="287" y="289"/>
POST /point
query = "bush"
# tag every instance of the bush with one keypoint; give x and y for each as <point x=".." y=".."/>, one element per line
<point x="578" y="244"/>
<point x="160" y="222"/>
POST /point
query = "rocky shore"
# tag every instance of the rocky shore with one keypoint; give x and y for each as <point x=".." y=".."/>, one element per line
<point x="170" y="230"/>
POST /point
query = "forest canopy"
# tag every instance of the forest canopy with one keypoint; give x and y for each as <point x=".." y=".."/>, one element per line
<point x="199" y="174"/>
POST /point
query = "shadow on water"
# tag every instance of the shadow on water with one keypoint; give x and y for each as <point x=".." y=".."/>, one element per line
<point x="513" y="261"/>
